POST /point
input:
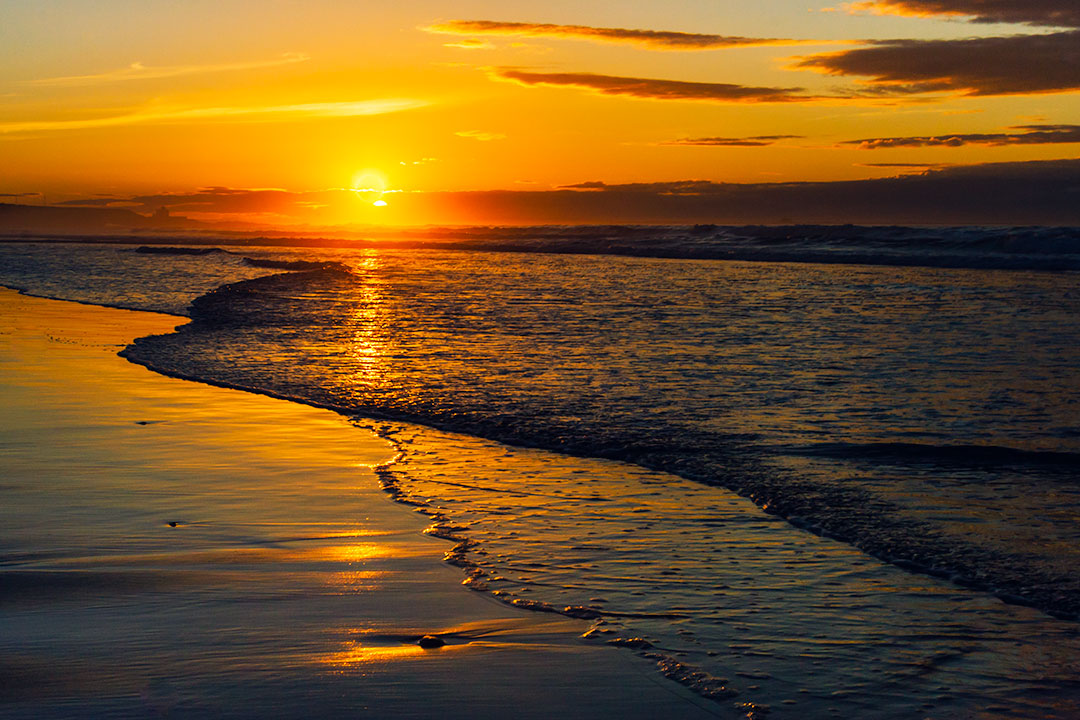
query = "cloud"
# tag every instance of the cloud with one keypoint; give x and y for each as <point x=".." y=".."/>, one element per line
<point x="1011" y="65"/>
<point x="20" y="194"/>
<point x="1035" y="192"/>
<point x="911" y="165"/>
<point x="652" y="39"/>
<point x="1020" y="193"/>
<point x="1017" y="135"/>
<point x="751" y="141"/>
<point x="470" y="44"/>
<point x="138" y="71"/>
<point x="226" y="200"/>
<point x="259" y="113"/>
<point x="678" y="187"/>
<point x="97" y="202"/>
<point x="1054" y="13"/>
<point x="481" y="135"/>
<point x="654" y="89"/>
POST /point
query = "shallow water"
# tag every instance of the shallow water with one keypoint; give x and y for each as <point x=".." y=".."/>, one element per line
<point x="118" y="275"/>
<point x="797" y="624"/>
<point x="930" y="416"/>
<point x="872" y="403"/>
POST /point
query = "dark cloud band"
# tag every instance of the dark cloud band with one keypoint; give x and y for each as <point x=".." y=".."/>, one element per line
<point x="1019" y="135"/>
<point x="1053" y="13"/>
<point x="655" y="89"/>
<point x="1012" y="65"/>
<point x="751" y="141"/>
<point x="653" y="39"/>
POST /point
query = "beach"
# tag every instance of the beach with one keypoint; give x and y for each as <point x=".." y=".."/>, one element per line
<point x="743" y="488"/>
<point x="171" y="549"/>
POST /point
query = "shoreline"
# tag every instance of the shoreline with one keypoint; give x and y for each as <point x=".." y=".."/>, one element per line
<point x="882" y="551"/>
<point x="193" y="550"/>
<point x="209" y="552"/>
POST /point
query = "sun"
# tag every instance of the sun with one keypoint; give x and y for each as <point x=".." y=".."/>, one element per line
<point x="370" y="185"/>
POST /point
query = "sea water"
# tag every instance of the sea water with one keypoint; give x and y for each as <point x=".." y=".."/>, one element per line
<point x="710" y="456"/>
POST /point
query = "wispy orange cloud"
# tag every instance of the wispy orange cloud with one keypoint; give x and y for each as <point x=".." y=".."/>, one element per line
<point x="654" y="89"/>
<point x="258" y="113"/>
<point x="470" y="44"/>
<point x="1053" y="13"/>
<point x="138" y="71"/>
<point x="1018" y="135"/>
<point x="481" y="135"/>
<point x="1011" y="65"/>
<point x="652" y="39"/>
<point x="907" y="165"/>
<point x="751" y="141"/>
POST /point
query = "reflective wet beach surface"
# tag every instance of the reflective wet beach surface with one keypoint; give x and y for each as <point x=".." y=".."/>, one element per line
<point x="173" y="550"/>
<point x="776" y="616"/>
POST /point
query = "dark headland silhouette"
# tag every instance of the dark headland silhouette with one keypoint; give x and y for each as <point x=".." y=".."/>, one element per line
<point x="95" y="220"/>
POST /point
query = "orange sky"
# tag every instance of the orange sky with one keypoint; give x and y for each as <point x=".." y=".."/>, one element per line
<point x="115" y="99"/>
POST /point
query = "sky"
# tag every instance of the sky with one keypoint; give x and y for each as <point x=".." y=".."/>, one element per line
<point x="317" y="113"/>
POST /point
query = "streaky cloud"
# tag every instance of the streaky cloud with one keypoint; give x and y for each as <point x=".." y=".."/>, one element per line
<point x="750" y="141"/>
<point x="258" y="113"/>
<point x="470" y="44"/>
<point x="1053" y="13"/>
<point x="652" y="39"/>
<point x="1017" y="135"/>
<point x="655" y="89"/>
<point x="676" y="187"/>
<point x="908" y="165"/>
<point x="220" y="200"/>
<point x="481" y="135"/>
<point x="1009" y="65"/>
<point x="138" y="71"/>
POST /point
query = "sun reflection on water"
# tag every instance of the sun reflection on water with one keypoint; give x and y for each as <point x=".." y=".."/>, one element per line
<point x="359" y="654"/>
<point x="352" y="553"/>
<point x="371" y="342"/>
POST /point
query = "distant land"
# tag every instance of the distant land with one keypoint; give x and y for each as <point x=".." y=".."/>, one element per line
<point x="90" y="220"/>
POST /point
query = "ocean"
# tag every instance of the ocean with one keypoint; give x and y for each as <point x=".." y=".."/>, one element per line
<point x="828" y="463"/>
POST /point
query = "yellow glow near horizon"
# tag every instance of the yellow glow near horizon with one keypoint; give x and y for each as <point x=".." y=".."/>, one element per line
<point x="370" y="186"/>
<point x="369" y="180"/>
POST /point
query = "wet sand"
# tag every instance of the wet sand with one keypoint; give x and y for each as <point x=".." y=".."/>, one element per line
<point x="169" y="549"/>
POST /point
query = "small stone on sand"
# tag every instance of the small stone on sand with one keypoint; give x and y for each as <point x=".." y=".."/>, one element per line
<point x="431" y="641"/>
